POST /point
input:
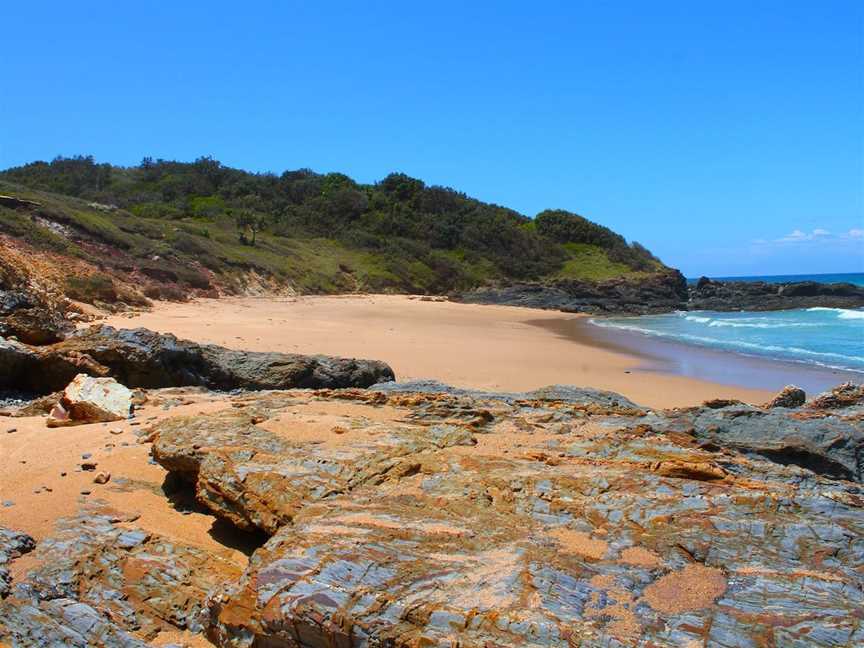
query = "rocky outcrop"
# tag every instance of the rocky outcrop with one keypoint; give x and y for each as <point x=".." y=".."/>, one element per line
<point x="665" y="292"/>
<point x="654" y="293"/>
<point x="548" y="518"/>
<point x="91" y="400"/>
<point x="13" y="544"/>
<point x="789" y="396"/>
<point x="102" y="582"/>
<point x="708" y="294"/>
<point x="142" y="358"/>
<point x="417" y="514"/>
<point x="831" y="445"/>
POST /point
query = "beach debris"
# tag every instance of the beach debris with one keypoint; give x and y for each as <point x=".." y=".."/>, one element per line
<point x="790" y="396"/>
<point x="91" y="400"/>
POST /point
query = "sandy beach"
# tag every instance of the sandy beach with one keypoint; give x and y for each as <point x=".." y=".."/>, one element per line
<point x="498" y="348"/>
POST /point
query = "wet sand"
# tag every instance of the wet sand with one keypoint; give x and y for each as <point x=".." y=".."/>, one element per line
<point x="499" y="348"/>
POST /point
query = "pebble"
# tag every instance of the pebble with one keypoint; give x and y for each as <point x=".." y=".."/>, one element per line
<point x="86" y="455"/>
<point x="102" y="478"/>
<point x="11" y="430"/>
<point x="62" y="474"/>
<point x="8" y="503"/>
<point x="89" y="465"/>
<point x="85" y="492"/>
<point x="115" y="431"/>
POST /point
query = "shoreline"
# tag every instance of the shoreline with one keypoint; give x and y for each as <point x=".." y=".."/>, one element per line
<point x="701" y="362"/>
<point x="494" y="348"/>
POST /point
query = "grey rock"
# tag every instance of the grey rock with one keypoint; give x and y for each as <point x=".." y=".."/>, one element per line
<point x="142" y="358"/>
<point x="709" y="294"/>
<point x="13" y="544"/>
<point x="790" y="396"/>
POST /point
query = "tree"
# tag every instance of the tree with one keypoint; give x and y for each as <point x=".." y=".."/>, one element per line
<point x="248" y="225"/>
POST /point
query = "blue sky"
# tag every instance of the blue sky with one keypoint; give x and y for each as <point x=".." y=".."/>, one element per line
<point x="728" y="136"/>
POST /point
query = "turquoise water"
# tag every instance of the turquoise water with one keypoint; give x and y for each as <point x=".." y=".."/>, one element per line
<point x="827" y="337"/>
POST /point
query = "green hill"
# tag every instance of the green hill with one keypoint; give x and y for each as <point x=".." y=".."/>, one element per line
<point x="170" y="229"/>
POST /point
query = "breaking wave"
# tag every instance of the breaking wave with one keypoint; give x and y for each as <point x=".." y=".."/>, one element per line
<point x="828" y="337"/>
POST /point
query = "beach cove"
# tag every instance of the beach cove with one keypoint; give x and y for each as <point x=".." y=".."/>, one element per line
<point x="498" y="348"/>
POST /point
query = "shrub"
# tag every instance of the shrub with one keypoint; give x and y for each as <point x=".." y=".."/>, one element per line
<point x="91" y="288"/>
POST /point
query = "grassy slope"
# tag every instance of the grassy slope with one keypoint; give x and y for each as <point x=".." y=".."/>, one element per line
<point x="202" y="252"/>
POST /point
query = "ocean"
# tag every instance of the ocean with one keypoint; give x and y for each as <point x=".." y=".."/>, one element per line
<point x="825" y="337"/>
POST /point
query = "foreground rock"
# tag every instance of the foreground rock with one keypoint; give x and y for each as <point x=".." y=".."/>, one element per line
<point x="417" y="514"/>
<point x="104" y="583"/>
<point x="789" y="396"/>
<point x="13" y="544"/>
<point x="708" y="294"/>
<point x="142" y="358"/>
<point x="550" y="518"/>
<point x="91" y="400"/>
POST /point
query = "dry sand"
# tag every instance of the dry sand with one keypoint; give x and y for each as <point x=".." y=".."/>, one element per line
<point x="498" y="348"/>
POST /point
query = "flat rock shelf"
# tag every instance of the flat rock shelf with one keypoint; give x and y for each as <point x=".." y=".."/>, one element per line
<point x="421" y="515"/>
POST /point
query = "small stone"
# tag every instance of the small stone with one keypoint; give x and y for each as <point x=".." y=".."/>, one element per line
<point x="8" y="503"/>
<point x="86" y="455"/>
<point x="91" y="400"/>
<point x="85" y="492"/>
<point x="102" y="478"/>
<point x="790" y="396"/>
<point x="115" y="431"/>
<point x="11" y="430"/>
<point x="88" y="465"/>
<point x="62" y="474"/>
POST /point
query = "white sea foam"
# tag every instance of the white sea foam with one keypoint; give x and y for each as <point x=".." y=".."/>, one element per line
<point x="825" y="342"/>
<point x="842" y="313"/>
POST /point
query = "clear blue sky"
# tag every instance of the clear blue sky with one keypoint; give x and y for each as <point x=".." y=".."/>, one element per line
<point x="726" y="136"/>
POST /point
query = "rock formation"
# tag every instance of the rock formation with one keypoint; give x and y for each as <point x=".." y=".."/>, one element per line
<point x="417" y="514"/>
<point x="665" y="292"/>
<point x="28" y="312"/>
<point x="12" y="545"/>
<point x="654" y="293"/>
<point x="142" y="358"/>
<point x="709" y="294"/>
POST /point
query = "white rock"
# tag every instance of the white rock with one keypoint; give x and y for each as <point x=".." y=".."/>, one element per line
<point x="90" y="400"/>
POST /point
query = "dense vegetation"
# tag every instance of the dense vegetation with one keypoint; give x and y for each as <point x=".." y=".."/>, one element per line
<point x="320" y="233"/>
